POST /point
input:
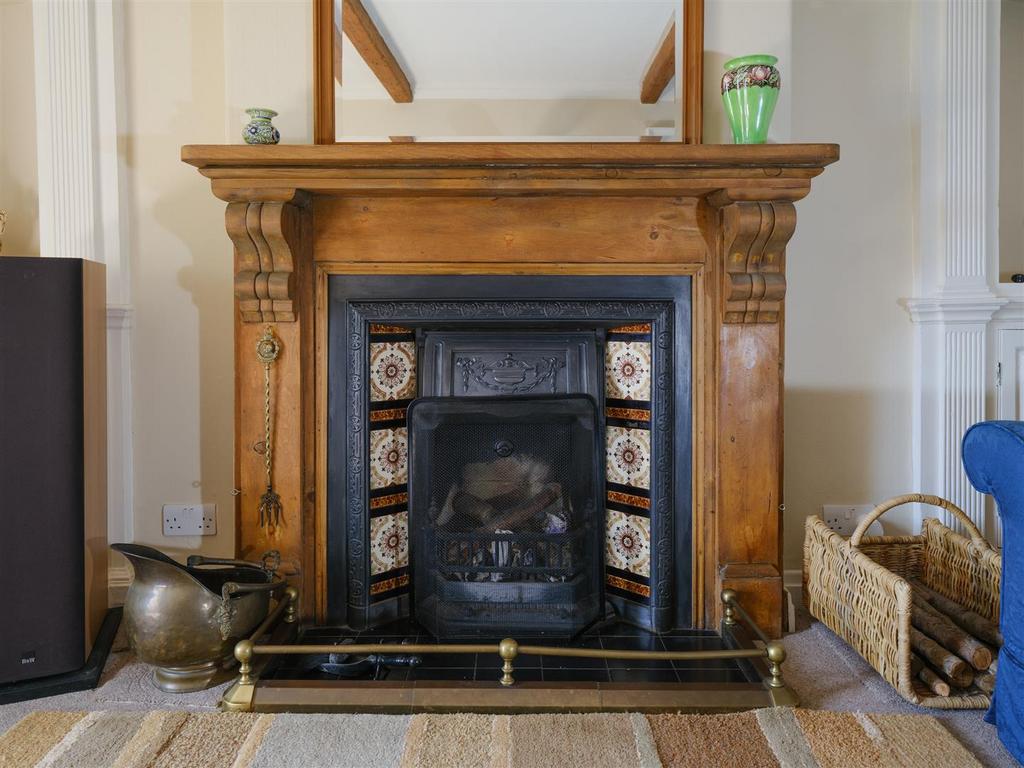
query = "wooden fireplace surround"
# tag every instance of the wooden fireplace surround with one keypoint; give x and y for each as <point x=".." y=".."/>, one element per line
<point x="721" y="214"/>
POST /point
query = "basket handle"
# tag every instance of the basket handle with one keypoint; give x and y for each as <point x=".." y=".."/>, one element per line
<point x="910" y="498"/>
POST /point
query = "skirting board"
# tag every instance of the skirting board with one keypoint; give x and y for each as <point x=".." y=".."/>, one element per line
<point x="119" y="578"/>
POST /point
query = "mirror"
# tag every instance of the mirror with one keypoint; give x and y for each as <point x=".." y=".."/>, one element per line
<point x="501" y="70"/>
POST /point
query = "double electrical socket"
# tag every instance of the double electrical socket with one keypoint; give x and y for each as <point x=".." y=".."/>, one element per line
<point x="843" y="518"/>
<point x="190" y="519"/>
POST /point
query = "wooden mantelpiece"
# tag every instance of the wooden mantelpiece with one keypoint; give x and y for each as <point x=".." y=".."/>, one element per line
<point x="721" y="214"/>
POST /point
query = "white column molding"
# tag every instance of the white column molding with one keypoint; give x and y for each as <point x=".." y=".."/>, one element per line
<point x="79" y="116"/>
<point x="957" y="259"/>
<point x="66" y="128"/>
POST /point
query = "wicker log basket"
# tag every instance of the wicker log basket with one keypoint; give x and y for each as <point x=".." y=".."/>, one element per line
<point x="859" y="588"/>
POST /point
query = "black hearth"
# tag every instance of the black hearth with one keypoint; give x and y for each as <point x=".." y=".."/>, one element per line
<point x="504" y="510"/>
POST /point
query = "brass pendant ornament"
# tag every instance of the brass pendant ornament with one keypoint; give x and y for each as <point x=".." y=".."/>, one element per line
<point x="268" y="348"/>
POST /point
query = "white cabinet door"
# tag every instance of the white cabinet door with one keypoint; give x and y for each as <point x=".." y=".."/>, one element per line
<point x="1011" y="375"/>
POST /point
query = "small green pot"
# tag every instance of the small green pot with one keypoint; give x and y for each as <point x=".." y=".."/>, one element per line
<point x="750" y="88"/>
<point x="259" y="129"/>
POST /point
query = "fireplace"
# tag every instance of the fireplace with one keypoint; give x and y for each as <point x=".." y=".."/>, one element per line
<point x="330" y="246"/>
<point x="504" y="498"/>
<point x="582" y="382"/>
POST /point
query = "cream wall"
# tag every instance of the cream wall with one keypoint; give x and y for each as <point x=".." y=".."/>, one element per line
<point x="18" y="181"/>
<point x="191" y="67"/>
<point x="181" y="268"/>
<point x="849" y="343"/>
<point x="1011" y="149"/>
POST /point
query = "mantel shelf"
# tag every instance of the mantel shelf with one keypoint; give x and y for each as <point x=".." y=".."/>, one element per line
<point x="561" y="154"/>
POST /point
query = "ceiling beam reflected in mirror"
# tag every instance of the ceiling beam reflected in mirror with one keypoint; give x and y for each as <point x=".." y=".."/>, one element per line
<point x="362" y="32"/>
<point x="661" y="68"/>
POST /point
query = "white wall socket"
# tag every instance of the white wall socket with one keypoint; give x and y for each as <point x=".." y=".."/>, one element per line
<point x="190" y="519"/>
<point x="843" y="518"/>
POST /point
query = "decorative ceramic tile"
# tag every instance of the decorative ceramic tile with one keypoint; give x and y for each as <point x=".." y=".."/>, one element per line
<point x="389" y="542"/>
<point x="627" y="543"/>
<point x="389" y="454"/>
<point x="392" y="370"/>
<point x="627" y="370"/>
<point x="628" y="459"/>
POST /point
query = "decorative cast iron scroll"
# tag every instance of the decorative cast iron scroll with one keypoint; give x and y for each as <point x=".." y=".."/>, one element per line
<point x="510" y="375"/>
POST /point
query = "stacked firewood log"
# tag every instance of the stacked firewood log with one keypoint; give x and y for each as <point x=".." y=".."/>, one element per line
<point x="953" y="648"/>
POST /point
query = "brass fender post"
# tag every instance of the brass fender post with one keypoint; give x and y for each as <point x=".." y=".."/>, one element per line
<point x="238" y="698"/>
<point x="508" y="649"/>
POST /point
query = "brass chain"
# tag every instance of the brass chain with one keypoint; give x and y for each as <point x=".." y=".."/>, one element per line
<point x="268" y="348"/>
<point x="268" y="448"/>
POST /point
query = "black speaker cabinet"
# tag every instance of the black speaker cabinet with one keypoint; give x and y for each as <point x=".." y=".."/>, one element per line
<point x="53" y="464"/>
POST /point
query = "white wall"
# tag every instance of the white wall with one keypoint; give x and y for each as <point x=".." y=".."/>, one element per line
<point x="181" y="269"/>
<point x="18" y="180"/>
<point x="192" y="67"/>
<point x="1011" y="141"/>
<point x="849" y="344"/>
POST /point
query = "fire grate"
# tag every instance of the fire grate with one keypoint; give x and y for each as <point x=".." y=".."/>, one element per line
<point x="504" y="512"/>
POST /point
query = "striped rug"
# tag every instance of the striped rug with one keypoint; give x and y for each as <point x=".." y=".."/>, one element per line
<point x="760" y="739"/>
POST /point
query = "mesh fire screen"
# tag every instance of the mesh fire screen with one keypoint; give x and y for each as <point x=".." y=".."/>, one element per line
<point x="504" y="515"/>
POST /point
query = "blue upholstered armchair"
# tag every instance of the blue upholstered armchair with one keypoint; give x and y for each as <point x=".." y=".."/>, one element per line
<point x="993" y="454"/>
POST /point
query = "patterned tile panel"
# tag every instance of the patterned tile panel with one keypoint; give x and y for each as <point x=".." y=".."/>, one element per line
<point x="629" y="372"/>
<point x="392" y="370"/>
<point x="389" y="458"/>
<point x="628" y="543"/>
<point x="392" y="374"/>
<point x="628" y="457"/>
<point x="389" y="543"/>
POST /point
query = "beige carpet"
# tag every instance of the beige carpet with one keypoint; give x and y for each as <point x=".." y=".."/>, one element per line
<point x="767" y="738"/>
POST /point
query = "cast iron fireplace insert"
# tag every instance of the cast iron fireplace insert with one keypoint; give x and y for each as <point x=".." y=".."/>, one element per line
<point x="393" y="339"/>
<point x="505" y="515"/>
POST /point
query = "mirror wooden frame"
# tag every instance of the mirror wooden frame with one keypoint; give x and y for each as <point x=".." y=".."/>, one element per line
<point x="692" y="57"/>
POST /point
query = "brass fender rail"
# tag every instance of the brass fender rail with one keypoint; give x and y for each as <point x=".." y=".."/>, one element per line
<point x="240" y="694"/>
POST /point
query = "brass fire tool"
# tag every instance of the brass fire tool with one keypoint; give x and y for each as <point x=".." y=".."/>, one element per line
<point x="268" y="348"/>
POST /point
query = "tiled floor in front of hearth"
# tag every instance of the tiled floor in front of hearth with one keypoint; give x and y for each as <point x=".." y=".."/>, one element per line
<point x="486" y="667"/>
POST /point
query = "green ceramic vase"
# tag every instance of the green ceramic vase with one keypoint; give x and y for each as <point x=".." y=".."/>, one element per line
<point x="750" y="88"/>
<point x="259" y="129"/>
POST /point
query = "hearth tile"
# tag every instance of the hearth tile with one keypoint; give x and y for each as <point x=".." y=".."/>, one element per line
<point x="448" y="660"/>
<point x="404" y="627"/>
<point x="709" y="664"/>
<point x="638" y="643"/>
<point x="389" y="457"/>
<point x="633" y="587"/>
<point x="628" y="542"/>
<point x="692" y="643"/>
<point x="622" y="629"/>
<point x="689" y="632"/>
<point x="442" y="673"/>
<point x="711" y="676"/>
<point x="643" y="676"/>
<point x="521" y="674"/>
<point x="392" y="370"/>
<point x="389" y="543"/>
<point x="628" y="453"/>
<point x="576" y="662"/>
<point x="493" y="661"/>
<point x="628" y="370"/>
<point x="576" y="675"/>
<point x="634" y="332"/>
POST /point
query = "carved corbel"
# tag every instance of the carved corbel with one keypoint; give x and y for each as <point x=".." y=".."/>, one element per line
<point x="754" y="238"/>
<point x="267" y="238"/>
